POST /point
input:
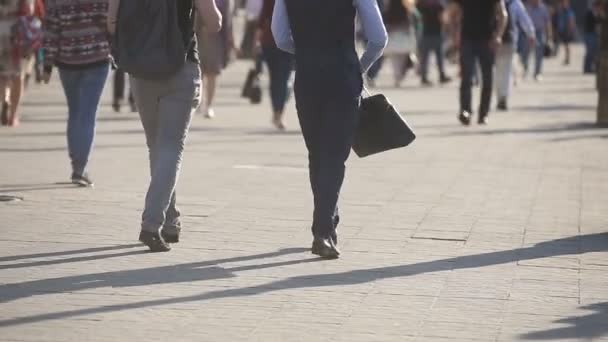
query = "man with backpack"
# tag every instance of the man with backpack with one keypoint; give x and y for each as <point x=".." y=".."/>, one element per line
<point x="154" y="42"/>
<point x="483" y="24"/>
<point x="518" y="19"/>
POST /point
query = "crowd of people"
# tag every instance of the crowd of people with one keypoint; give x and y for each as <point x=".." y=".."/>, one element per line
<point x="85" y="39"/>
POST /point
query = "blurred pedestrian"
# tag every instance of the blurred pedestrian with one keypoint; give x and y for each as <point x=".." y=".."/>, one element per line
<point x="483" y="25"/>
<point x="432" y="41"/>
<point x="118" y="96"/>
<point x="541" y="18"/>
<point x="253" y="8"/>
<point x="76" y="42"/>
<point x="215" y="49"/>
<point x="403" y="24"/>
<point x="280" y="65"/>
<point x="566" y="27"/>
<point x="167" y="89"/>
<point x="20" y="39"/>
<point x="328" y="91"/>
<point x="517" y="21"/>
<point x="592" y="27"/>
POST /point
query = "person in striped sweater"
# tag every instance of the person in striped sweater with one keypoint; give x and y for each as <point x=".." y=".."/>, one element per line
<point x="76" y="42"/>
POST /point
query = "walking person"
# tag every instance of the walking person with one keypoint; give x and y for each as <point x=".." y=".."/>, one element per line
<point x="280" y="65"/>
<point x="592" y="26"/>
<point x="118" y="96"/>
<point x="517" y="21"/>
<point x="483" y="25"/>
<point x="541" y="18"/>
<point x="17" y="53"/>
<point x="403" y="24"/>
<point x="215" y="52"/>
<point x="253" y="8"/>
<point x="166" y="93"/>
<point x="76" y="42"/>
<point x="432" y="41"/>
<point x="328" y="90"/>
<point x="566" y="27"/>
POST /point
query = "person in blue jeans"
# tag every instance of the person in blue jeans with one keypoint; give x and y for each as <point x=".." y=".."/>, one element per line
<point x="566" y="27"/>
<point x="83" y="63"/>
<point x="280" y="65"/>
<point x="592" y="23"/>
<point x="541" y="18"/>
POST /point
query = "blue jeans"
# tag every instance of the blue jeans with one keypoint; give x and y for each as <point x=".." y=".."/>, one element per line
<point x="279" y="69"/>
<point x="83" y="88"/>
<point x="591" y="48"/>
<point x="539" y="53"/>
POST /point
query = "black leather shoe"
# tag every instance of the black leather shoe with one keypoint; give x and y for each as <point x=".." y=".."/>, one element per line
<point x="154" y="241"/>
<point x="172" y="237"/>
<point x="465" y="118"/>
<point x="325" y="248"/>
<point x="502" y="105"/>
<point x="483" y="120"/>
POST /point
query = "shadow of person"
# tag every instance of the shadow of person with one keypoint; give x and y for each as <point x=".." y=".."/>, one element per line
<point x="566" y="246"/>
<point x="70" y="252"/>
<point x="588" y="327"/>
<point x="183" y="273"/>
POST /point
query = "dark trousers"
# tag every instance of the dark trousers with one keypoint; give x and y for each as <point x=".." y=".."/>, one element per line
<point x="279" y="69"/>
<point x="328" y="124"/>
<point x="428" y="45"/>
<point x="471" y="53"/>
<point x="248" y="42"/>
<point x="591" y="49"/>
<point x="119" y="87"/>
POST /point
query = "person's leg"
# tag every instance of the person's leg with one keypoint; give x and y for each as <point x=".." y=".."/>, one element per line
<point x="590" y="53"/>
<point x="280" y="85"/>
<point x="91" y="84"/>
<point x="119" y="89"/>
<point x="440" y="58"/>
<point x="398" y="62"/>
<point x="539" y="54"/>
<point x="524" y="53"/>
<point x="567" y="52"/>
<point x="486" y="61"/>
<point x="467" y="64"/>
<point x="4" y="93"/>
<point x="177" y="101"/>
<point x="210" y="82"/>
<point x="339" y="121"/>
<point x="309" y="117"/>
<point x="17" y="86"/>
<point x="71" y="80"/>
<point x="504" y="62"/>
<point x="426" y="45"/>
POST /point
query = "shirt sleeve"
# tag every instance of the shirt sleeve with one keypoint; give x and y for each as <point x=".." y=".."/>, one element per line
<point x="51" y="34"/>
<point x="280" y="28"/>
<point x="374" y="31"/>
<point x="523" y="19"/>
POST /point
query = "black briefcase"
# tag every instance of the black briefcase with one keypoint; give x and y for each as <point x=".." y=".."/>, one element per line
<point x="381" y="127"/>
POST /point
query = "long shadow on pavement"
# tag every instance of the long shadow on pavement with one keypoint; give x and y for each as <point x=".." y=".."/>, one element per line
<point x="544" y="129"/>
<point x="590" y="326"/>
<point x="200" y="271"/>
<point x="71" y="252"/>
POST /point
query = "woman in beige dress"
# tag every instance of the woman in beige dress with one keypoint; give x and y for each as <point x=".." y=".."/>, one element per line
<point x="215" y="50"/>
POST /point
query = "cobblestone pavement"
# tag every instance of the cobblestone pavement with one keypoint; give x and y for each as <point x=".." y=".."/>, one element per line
<point x="494" y="233"/>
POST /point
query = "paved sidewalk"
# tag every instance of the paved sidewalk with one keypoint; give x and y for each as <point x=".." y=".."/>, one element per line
<point x="492" y="233"/>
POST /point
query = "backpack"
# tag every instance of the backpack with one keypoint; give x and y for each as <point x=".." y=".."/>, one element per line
<point x="507" y="37"/>
<point x="148" y="42"/>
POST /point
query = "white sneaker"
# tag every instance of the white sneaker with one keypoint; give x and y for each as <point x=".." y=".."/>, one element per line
<point x="538" y="78"/>
<point x="209" y="113"/>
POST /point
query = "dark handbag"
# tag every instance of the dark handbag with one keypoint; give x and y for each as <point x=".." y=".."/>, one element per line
<point x="255" y="93"/>
<point x="548" y="51"/>
<point x="381" y="127"/>
<point x="246" y="90"/>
